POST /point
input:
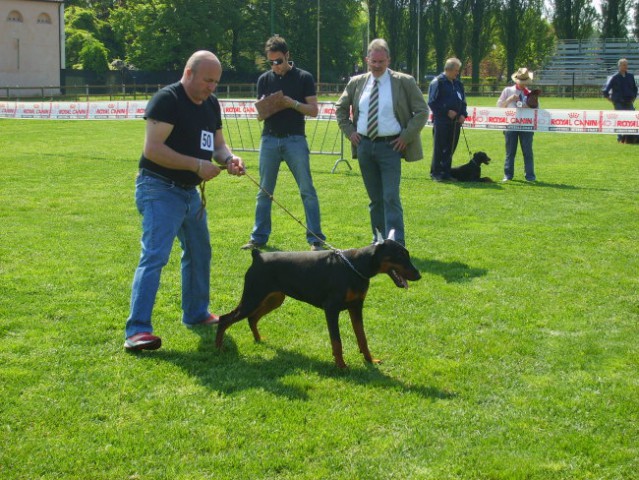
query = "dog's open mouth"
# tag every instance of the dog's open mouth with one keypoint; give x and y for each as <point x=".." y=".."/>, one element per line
<point x="398" y="279"/>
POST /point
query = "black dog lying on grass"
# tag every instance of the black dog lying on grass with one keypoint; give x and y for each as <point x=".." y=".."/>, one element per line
<point x="333" y="280"/>
<point x="471" y="172"/>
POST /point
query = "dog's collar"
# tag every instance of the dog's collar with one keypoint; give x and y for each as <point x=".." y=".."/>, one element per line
<point x="341" y="255"/>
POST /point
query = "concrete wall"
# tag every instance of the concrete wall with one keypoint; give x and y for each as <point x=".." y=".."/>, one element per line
<point x="31" y="44"/>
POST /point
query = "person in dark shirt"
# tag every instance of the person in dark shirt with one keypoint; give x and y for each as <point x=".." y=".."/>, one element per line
<point x="183" y="134"/>
<point x="447" y="101"/>
<point x="621" y="90"/>
<point x="283" y="139"/>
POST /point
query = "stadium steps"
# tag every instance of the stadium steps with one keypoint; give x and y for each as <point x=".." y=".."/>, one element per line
<point x="590" y="62"/>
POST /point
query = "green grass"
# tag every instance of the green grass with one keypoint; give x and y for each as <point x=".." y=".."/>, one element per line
<point x="514" y="357"/>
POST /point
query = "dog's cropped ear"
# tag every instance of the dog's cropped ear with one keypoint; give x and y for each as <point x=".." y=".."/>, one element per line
<point x="391" y="234"/>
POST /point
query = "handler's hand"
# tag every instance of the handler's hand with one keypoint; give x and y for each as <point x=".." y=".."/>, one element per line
<point x="355" y="138"/>
<point x="208" y="170"/>
<point x="452" y="114"/>
<point x="461" y="119"/>
<point x="236" y="166"/>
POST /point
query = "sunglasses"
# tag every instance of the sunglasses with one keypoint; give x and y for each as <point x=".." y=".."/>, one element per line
<point x="279" y="61"/>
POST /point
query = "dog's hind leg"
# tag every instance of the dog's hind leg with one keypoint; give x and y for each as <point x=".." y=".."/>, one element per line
<point x="357" y="320"/>
<point x="332" y="320"/>
<point x="270" y="303"/>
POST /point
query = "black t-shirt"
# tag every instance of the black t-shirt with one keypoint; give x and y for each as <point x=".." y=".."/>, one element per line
<point x="297" y="84"/>
<point x="194" y="128"/>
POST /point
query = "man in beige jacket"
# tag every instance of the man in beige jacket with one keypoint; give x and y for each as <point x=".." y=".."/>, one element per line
<point x="388" y="114"/>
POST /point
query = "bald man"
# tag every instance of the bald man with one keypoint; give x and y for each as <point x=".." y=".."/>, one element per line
<point x="183" y="136"/>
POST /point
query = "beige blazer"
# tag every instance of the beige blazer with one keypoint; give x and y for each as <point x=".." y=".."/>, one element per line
<point x="409" y="106"/>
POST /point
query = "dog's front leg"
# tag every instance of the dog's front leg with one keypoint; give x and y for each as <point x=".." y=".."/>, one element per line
<point x="357" y="319"/>
<point x="332" y="320"/>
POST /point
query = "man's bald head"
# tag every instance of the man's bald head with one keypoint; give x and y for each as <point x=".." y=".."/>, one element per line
<point x="199" y="57"/>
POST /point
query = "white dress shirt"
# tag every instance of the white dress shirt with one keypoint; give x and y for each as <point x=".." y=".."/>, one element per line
<point x="388" y="124"/>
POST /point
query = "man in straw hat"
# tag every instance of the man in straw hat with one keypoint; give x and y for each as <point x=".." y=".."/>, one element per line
<point x="516" y="96"/>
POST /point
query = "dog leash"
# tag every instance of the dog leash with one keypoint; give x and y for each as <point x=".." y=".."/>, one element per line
<point x="470" y="154"/>
<point x="200" y="212"/>
<point x="337" y="251"/>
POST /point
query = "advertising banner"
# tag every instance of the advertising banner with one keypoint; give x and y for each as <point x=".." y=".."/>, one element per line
<point x="489" y="118"/>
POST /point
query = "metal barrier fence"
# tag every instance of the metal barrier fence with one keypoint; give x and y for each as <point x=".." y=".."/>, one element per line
<point x="243" y="132"/>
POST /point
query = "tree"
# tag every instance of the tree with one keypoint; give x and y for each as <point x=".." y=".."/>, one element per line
<point x="481" y="36"/>
<point x="615" y="15"/>
<point x="84" y="27"/>
<point x="636" y="21"/>
<point x="574" y="19"/>
<point x="512" y="34"/>
<point x="439" y="28"/>
<point x="93" y="56"/>
<point x="459" y="20"/>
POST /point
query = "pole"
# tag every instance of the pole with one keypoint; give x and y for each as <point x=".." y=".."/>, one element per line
<point x="318" y="43"/>
<point x="419" y="14"/>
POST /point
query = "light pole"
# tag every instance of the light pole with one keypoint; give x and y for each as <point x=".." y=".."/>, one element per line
<point x="318" y="42"/>
<point x="419" y="15"/>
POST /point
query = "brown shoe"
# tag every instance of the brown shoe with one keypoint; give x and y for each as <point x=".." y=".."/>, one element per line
<point x="212" y="319"/>
<point x="142" y="341"/>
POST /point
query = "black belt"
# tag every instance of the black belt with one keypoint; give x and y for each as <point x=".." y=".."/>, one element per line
<point x="280" y="135"/>
<point x="148" y="173"/>
<point x="389" y="138"/>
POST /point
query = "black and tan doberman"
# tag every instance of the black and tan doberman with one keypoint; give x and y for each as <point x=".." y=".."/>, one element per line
<point x="471" y="171"/>
<point x="332" y="280"/>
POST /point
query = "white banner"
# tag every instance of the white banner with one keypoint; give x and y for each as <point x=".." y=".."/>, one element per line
<point x="567" y="121"/>
<point x="535" y="120"/>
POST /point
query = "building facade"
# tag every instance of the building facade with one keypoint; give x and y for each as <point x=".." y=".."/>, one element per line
<point x="31" y="46"/>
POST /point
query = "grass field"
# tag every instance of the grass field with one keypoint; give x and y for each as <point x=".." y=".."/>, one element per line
<point x="515" y="356"/>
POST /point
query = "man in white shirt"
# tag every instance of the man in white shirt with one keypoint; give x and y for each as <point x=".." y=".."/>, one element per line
<point x="388" y="113"/>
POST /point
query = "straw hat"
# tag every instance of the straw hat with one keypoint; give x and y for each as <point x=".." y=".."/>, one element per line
<point x="522" y="76"/>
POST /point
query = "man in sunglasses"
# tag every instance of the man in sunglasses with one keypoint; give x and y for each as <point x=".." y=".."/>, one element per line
<point x="283" y="139"/>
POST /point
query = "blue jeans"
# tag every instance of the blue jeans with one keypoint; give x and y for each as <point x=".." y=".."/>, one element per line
<point x="525" y="139"/>
<point x="294" y="151"/>
<point x="169" y="211"/>
<point x="381" y="168"/>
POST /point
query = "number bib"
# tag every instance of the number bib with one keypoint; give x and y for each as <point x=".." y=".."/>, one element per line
<point x="206" y="141"/>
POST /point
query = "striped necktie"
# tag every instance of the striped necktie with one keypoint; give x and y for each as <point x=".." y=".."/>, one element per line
<point x="373" y="110"/>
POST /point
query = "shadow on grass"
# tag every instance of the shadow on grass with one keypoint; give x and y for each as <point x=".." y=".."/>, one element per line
<point x="539" y="184"/>
<point x="479" y="185"/>
<point x="228" y="371"/>
<point x="452" y="272"/>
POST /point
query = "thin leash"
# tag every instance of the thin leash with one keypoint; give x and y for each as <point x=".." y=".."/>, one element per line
<point x="337" y="251"/>
<point x="200" y="212"/>
<point x="452" y="147"/>
<point x="470" y="154"/>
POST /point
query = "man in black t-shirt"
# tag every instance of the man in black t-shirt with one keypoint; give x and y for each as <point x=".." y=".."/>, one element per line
<point x="183" y="134"/>
<point x="283" y="139"/>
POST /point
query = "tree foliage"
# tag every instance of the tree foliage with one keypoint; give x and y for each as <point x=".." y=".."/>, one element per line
<point x="615" y="15"/>
<point x="159" y="35"/>
<point x="574" y="19"/>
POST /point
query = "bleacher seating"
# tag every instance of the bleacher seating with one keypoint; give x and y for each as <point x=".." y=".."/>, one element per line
<point x="587" y="62"/>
